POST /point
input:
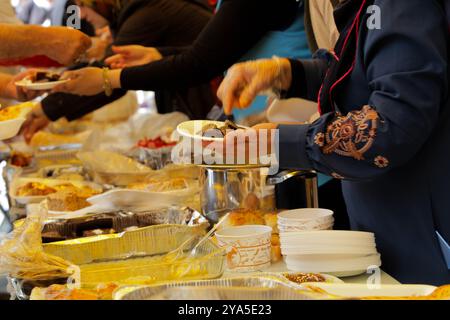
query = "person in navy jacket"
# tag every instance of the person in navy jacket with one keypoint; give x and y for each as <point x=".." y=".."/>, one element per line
<point x="384" y="128"/>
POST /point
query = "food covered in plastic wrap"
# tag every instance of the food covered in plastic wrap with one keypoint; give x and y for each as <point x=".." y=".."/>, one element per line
<point x="22" y="255"/>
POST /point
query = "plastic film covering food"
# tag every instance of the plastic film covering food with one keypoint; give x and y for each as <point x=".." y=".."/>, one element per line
<point x="262" y="287"/>
<point x="22" y="255"/>
<point x="207" y="263"/>
<point x="119" y="221"/>
<point x="112" y="168"/>
<point x="152" y="240"/>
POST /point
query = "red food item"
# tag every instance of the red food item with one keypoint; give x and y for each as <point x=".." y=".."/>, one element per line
<point x="35" y="62"/>
<point x="154" y="143"/>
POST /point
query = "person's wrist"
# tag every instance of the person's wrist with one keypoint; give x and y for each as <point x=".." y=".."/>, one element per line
<point x="114" y="77"/>
<point x="285" y="74"/>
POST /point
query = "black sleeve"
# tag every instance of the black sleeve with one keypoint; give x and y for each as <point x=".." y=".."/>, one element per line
<point x="237" y="27"/>
<point x="146" y="23"/>
<point x="59" y="105"/>
<point x="307" y="78"/>
<point x="73" y="107"/>
<point x="170" y="51"/>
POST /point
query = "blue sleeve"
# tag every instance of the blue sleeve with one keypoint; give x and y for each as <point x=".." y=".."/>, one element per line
<point x="406" y="70"/>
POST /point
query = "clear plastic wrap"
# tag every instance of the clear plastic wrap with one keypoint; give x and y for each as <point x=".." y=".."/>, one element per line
<point x="22" y="255"/>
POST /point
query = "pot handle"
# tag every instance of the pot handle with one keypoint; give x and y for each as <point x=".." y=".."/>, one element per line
<point x="287" y="174"/>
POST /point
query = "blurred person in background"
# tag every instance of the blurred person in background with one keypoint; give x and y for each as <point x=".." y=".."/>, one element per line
<point x="63" y="45"/>
<point x="384" y="128"/>
<point x="164" y="23"/>
<point x="239" y="30"/>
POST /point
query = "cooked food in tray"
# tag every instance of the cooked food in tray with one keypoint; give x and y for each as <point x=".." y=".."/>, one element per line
<point x="34" y="189"/>
<point x="304" y="277"/>
<point x="62" y="292"/>
<point x="68" y="200"/>
<point x="20" y="159"/>
<point x="14" y="112"/>
<point x="160" y="186"/>
<point x="10" y="113"/>
<point x="41" y="189"/>
<point x="115" y="222"/>
<point x="156" y="143"/>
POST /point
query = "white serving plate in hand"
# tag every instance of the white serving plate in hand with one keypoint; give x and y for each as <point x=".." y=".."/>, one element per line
<point x="10" y="128"/>
<point x="351" y="290"/>
<point x="18" y="182"/>
<point x="39" y="86"/>
<point x="192" y="129"/>
<point x="292" y="110"/>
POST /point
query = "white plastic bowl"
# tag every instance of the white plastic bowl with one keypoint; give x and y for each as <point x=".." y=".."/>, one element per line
<point x="10" y="128"/>
<point x="306" y="214"/>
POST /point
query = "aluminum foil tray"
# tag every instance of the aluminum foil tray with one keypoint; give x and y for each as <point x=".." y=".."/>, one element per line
<point x="120" y="221"/>
<point x="148" y="241"/>
<point x="208" y="263"/>
<point x="263" y="287"/>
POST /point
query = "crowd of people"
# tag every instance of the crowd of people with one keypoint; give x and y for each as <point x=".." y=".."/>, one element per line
<point x="382" y="93"/>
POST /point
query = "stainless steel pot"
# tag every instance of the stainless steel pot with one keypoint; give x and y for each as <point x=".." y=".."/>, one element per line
<point x="223" y="189"/>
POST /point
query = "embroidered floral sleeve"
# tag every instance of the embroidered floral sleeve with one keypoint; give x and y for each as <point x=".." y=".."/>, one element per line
<point x="407" y="97"/>
<point x="357" y="145"/>
<point x="352" y="136"/>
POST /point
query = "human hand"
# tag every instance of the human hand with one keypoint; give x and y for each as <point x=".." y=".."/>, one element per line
<point x="256" y="145"/>
<point x="11" y="91"/>
<point x="133" y="55"/>
<point x="244" y="81"/>
<point x="36" y="121"/>
<point x="83" y="82"/>
<point x="87" y="81"/>
<point x="66" y="45"/>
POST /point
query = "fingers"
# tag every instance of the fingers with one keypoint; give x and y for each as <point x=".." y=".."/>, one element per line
<point x="230" y="89"/>
<point x="32" y="126"/>
<point x="67" y="87"/>
<point x="123" y="50"/>
<point x="249" y="94"/>
<point x="114" y="59"/>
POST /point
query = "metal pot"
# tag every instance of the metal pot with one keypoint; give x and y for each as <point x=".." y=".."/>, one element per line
<point x="225" y="188"/>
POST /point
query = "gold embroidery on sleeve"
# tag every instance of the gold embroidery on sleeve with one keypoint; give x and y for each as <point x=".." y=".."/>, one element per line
<point x="352" y="135"/>
<point x="381" y="162"/>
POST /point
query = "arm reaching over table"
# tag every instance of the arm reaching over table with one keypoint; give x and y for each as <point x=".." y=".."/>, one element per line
<point x="60" y="44"/>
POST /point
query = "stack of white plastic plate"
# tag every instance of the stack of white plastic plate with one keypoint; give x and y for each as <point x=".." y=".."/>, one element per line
<point x="305" y="220"/>
<point x="341" y="253"/>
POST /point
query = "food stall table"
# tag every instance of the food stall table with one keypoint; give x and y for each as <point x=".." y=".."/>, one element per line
<point x="280" y="267"/>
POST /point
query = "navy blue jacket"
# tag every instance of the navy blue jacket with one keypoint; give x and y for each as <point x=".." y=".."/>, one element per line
<point x="387" y="135"/>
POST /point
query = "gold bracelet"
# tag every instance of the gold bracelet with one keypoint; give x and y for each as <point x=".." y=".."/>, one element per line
<point x="107" y="82"/>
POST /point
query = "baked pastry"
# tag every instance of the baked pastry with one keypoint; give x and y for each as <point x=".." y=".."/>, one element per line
<point x="67" y="200"/>
<point x="271" y="220"/>
<point x="241" y="217"/>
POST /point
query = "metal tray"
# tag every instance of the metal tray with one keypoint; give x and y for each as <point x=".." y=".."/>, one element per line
<point x="208" y="263"/>
<point x="123" y="219"/>
<point x="262" y="287"/>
